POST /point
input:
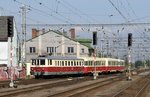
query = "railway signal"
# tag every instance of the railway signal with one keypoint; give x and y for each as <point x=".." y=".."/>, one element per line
<point x="129" y="39"/>
<point x="94" y="38"/>
<point x="129" y="55"/>
<point x="94" y="55"/>
<point x="10" y="26"/>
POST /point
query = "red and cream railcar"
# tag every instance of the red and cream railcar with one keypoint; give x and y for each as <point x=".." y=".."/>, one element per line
<point x="100" y="65"/>
<point x="54" y="65"/>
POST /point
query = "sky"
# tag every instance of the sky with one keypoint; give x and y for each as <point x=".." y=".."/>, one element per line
<point x="82" y="12"/>
<point x="77" y="11"/>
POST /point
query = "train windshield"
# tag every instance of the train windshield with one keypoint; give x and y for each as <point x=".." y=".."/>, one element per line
<point x="33" y="62"/>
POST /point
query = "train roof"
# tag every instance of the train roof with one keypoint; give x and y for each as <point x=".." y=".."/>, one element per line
<point x="97" y="58"/>
<point x="58" y="58"/>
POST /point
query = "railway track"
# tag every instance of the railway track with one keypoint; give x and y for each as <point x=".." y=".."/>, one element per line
<point x="80" y="91"/>
<point x="39" y="86"/>
<point x="11" y="92"/>
<point x="135" y="89"/>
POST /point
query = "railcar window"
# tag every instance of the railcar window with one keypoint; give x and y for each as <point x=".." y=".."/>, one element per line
<point x="71" y="63"/>
<point x="74" y="63"/>
<point x="68" y="63"/>
<point x="62" y="63"/>
<point x="113" y="63"/>
<point x="109" y="62"/>
<point x="56" y="63"/>
<point x="42" y="62"/>
<point x="103" y="62"/>
<point x="90" y="63"/>
<point x="77" y="63"/>
<point x="98" y="63"/>
<point x="116" y="63"/>
<point x="121" y="63"/>
<point x="80" y="63"/>
<point x="50" y="62"/>
<point x="86" y="63"/>
<point x="65" y="63"/>
<point x="95" y="62"/>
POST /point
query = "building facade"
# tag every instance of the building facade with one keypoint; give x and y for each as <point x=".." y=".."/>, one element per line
<point x="54" y="43"/>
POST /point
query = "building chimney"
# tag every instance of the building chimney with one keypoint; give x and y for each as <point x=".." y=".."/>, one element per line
<point x="72" y="32"/>
<point x="34" y="32"/>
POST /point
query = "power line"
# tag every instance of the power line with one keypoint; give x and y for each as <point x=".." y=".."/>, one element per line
<point x="41" y="11"/>
<point x="118" y="10"/>
<point x="42" y="4"/>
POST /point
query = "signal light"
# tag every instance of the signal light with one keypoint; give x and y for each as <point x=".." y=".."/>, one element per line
<point x="10" y="26"/>
<point x="94" y="38"/>
<point x="129" y="39"/>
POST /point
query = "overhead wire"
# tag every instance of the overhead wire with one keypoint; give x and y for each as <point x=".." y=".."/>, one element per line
<point x="118" y="11"/>
<point x="41" y="11"/>
<point x="55" y="12"/>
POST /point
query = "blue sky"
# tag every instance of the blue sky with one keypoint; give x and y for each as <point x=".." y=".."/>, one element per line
<point x="78" y="11"/>
<point x="82" y="12"/>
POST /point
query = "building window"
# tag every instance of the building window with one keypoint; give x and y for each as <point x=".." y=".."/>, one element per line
<point x="51" y="49"/>
<point x="32" y="49"/>
<point x="70" y="49"/>
<point x="82" y="50"/>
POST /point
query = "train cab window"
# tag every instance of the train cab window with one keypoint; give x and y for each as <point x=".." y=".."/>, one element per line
<point x="33" y="62"/>
<point x="37" y="62"/>
<point x="42" y="62"/>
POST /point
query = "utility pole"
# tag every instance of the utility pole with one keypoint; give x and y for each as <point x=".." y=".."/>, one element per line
<point x="23" y="35"/>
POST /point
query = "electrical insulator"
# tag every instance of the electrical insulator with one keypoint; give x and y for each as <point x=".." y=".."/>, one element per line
<point x="94" y="38"/>
<point x="129" y="39"/>
<point x="10" y="26"/>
